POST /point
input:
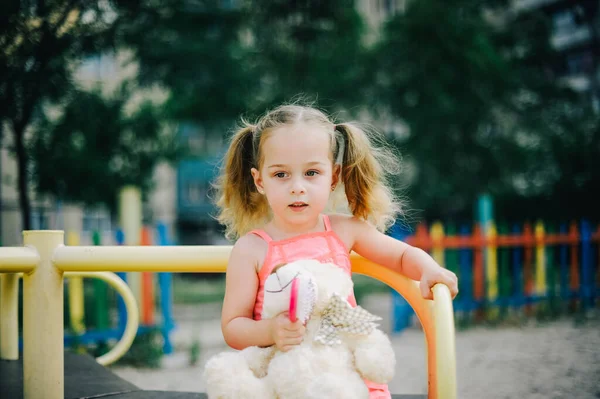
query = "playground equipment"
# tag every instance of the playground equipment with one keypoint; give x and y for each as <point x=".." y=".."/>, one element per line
<point x="131" y="327"/>
<point x="44" y="261"/>
<point x="100" y="330"/>
<point x="503" y="267"/>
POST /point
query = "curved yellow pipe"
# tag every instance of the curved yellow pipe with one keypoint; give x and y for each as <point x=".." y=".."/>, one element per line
<point x="445" y="339"/>
<point x="437" y="319"/>
<point x="132" y="314"/>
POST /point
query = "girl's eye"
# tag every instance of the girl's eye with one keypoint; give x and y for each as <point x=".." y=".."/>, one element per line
<point x="280" y="175"/>
<point x="312" y="173"/>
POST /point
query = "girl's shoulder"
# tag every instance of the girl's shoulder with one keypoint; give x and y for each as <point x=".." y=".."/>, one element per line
<point x="250" y="243"/>
<point x="347" y="227"/>
<point x="251" y="248"/>
<point x="341" y="221"/>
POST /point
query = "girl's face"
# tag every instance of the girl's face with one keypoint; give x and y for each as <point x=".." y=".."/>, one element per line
<point x="296" y="174"/>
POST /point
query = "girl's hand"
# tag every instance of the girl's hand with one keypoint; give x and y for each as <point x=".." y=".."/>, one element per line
<point x="286" y="334"/>
<point x="436" y="275"/>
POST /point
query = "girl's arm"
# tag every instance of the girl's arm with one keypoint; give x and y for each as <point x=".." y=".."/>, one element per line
<point x="239" y="328"/>
<point x="401" y="257"/>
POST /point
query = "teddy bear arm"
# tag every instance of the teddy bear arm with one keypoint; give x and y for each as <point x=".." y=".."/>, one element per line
<point x="258" y="359"/>
<point x="228" y="375"/>
<point x="374" y="357"/>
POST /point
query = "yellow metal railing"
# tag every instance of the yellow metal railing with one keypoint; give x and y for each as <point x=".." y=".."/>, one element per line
<point x="44" y="261"/>
<point x="133" y="317"/>
<point x="8" y="304"/>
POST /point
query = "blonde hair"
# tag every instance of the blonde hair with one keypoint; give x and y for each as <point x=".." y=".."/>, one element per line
<point x="366" y="165"/>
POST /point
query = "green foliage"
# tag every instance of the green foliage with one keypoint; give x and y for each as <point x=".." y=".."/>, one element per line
<point x="145" y="352"/>
<point x="197" y="51"/>
<point x="96" y="140"/>
<point x="553" y="130"/>
<point x="443" y="79"/>
<point x="42" y="44"/>
<point x="365" y="286"/>
<point x="222" y="62"/>
<point x="194" y="290"/>
<point x="313" y="48"/>
<point x="194" y="352"/>
<point x="484" y="111"/>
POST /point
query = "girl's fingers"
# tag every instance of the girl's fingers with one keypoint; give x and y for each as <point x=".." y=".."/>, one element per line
<point x="426" y="291"/>
<point x="295" y="326"/>
<point x="290" y="343"/>
<point x="294" y="334"/>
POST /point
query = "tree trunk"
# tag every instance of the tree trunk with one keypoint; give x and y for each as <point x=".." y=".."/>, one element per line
<point x="22" y="176"/>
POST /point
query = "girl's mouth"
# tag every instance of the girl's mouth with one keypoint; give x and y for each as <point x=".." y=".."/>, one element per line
<point x="298" y="206"/>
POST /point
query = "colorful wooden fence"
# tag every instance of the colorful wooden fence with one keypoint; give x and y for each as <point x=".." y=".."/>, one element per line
<point x="512" y="266"/>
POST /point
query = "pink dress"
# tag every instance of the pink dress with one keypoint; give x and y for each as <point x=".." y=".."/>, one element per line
<point x="324" y="246"/>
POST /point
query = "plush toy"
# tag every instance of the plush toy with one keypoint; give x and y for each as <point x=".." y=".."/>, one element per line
<point x="342" y="346"/>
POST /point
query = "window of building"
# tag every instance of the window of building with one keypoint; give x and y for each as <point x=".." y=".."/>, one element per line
<point x="195" y="192"/>
<point x="39" y="219"/>
<point x="196" y="144"/>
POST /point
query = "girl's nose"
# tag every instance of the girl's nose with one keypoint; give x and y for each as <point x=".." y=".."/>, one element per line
<point x="297" y="188"/>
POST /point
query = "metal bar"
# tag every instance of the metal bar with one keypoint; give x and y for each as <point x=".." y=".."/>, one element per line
<point x="18" y="259"/>
<point x="445" y="347"/>
<point x="43" y="346"/>
<point x="437" y="319"/>
<point x="9" y="316"/>
<point x="198" y="259"/>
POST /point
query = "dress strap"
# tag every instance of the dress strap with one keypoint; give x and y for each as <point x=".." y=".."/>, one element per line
<point x="262" y="234"/>
<point x="327" y="223"/>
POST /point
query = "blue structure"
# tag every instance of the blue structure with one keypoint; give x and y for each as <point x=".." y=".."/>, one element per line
<point x="194" y="178"/>
<point x="195" y="174"/>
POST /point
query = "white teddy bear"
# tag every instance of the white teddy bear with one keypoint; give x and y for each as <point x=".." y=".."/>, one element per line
<point x="342" y="346"/>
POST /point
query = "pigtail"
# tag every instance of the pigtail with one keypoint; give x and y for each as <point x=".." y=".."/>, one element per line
<point x="365" y="172"/>
<point x="240" y="204"/>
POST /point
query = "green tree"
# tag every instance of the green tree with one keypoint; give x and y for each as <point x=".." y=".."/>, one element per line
<point x="197" y="51"/>
<point x="440" y="72"/>
<point x="220" y="62"/>
<point x="310" y="48"/>
<point x="42" y="44"/>
<point x="96" y="146"/>
<point x="485" y="110"/>
<point x="553" y="129"/>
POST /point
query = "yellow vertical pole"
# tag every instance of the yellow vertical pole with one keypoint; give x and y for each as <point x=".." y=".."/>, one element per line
<point x="130" y="218"/>
<point x="437" y="235"/>
<point x="43" y="346"/>
<point x="491" y="268"/>
<point x="76" y="299"/>
<point x="540" y="259"/>
<point x="9" y="316"/>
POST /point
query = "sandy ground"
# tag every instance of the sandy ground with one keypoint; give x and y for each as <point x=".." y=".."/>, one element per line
<point x="552" y="360"/>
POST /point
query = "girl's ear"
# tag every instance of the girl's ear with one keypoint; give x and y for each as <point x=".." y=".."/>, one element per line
<point x="257" y="180"/>
<point x="335" y="176"/>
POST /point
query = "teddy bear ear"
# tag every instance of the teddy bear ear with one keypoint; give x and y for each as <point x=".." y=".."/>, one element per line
<point x="276" y="294"/>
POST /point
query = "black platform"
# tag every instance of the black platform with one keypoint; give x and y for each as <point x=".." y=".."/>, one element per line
<point x="84" y="378"/>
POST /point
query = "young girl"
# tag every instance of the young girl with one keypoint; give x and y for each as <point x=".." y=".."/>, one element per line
<point x="278" y="177"/>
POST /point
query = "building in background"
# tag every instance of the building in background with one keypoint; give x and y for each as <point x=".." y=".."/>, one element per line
<point x="195" y="207"/>
<point x="576" y="37"/>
